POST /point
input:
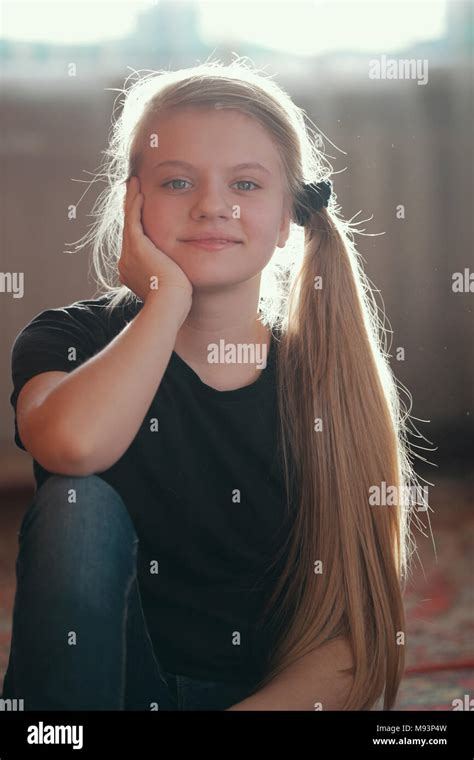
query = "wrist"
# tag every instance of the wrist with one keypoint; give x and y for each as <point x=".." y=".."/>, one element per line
<point x="173" y="300"/>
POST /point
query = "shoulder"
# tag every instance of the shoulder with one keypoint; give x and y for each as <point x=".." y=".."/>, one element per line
<point x="97" y="308"/>
<point x="61" y="338"/>
<point x="90" y="317"/>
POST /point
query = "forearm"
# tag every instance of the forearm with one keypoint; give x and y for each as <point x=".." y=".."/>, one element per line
<point x="101" y="404"/>
<point x="313" y="683"/>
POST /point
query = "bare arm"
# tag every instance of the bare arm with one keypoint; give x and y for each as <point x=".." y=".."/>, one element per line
<point x="97" y="409"/>
<point x="84" y="422"/>
<point x="313" y="683"/>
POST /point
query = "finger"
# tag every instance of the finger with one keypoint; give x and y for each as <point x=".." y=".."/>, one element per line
<point x="130" y="194"/>
<point x="134" y="222"/>
<point x="136" y="212"/>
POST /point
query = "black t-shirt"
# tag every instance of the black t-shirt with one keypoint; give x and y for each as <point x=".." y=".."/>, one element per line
<point x="204" y="489"/>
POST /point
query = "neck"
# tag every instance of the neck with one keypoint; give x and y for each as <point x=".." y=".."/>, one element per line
<point x="229" y="314"/>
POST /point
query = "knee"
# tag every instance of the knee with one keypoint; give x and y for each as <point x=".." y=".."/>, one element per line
<point x="82" y="521"/>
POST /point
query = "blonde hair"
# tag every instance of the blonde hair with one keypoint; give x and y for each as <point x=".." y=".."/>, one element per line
<point x="332" y="366"/>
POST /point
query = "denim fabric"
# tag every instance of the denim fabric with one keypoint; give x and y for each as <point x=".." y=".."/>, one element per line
<point x="79" y="635"/>
<point x="196" y="694"/>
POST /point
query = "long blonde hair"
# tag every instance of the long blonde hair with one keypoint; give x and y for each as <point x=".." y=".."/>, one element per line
<point x="342" y="424"/>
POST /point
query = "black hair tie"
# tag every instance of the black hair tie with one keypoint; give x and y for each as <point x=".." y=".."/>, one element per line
<point x="315" y="196"/>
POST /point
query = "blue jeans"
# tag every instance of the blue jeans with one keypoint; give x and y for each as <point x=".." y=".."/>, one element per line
<point x="79" y="635"/>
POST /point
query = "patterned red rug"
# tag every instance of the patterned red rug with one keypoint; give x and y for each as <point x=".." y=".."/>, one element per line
<point x="439" y="604"/>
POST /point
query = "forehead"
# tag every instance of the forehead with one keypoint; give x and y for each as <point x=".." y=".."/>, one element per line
<point x="197" y="135"/>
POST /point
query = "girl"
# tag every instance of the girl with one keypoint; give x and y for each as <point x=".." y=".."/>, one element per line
<point x="217" y="543"/>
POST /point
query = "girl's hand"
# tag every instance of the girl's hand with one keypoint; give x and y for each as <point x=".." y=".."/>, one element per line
<point x="140" y="260"/>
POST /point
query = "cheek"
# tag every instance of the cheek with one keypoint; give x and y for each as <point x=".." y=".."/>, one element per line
<point x="158" y="224"/>
<point x="258" y="228"/>
<point x="263" y="233"/>
<point x="151" y="214"/>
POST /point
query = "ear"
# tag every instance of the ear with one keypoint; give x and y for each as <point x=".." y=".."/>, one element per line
<point x="284" y="230"/>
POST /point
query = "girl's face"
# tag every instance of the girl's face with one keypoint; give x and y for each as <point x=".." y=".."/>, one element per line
<point x="208" y="191"/>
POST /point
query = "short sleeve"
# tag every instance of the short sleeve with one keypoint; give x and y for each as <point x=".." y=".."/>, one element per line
<point x="55" y="340"/>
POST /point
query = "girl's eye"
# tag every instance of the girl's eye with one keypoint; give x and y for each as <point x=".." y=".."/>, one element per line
<point x="246" y="182"/>
<point x="239" y="182"/>
<point x="174" y="180"/>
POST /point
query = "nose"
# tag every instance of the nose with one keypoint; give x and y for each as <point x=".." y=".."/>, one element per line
<point x="212" y="200"/>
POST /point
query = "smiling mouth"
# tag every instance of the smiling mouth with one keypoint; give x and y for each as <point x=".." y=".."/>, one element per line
<point x="212" y="244"/>
<point x="210" y="240"/>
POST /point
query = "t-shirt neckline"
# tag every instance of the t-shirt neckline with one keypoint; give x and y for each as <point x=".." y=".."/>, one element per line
<point x="235" y="394"/>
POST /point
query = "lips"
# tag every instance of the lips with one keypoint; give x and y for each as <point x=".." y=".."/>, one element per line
<point x="211" y="239"/>
<point x="212" y="244"/>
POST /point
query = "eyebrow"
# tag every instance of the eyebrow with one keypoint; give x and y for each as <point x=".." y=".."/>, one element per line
<point x="186" y="165"/>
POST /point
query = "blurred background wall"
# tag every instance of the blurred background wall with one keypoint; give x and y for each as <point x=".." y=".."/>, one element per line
<point x="397" y="142"/>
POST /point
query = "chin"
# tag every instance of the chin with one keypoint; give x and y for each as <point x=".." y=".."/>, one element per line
<point x="210" y="279"/>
